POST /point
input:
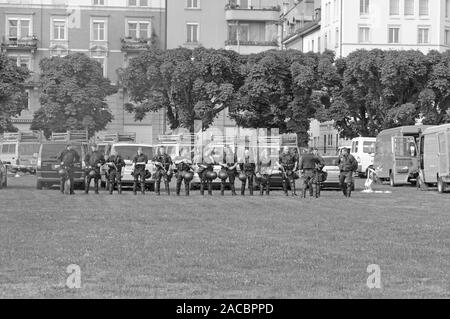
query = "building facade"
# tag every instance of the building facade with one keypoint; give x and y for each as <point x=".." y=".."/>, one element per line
<point x="109" y="31"/>
<point x="349" y="25"/>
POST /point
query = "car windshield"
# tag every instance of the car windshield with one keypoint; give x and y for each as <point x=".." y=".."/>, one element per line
<point x="330" y="161"/>
<point x="128" y="152"/>
<point x="369" y="147"/>
<point x="29" y="149"/>
<point x="51" y="151"/>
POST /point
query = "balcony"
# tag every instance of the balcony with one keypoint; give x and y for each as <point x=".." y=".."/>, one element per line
<point x="135" y="45"/>
<point x="250" y="47"/>
<point x="252" y="43"/>
<point x="23" y="44"/>
<point x="252" y="13"/>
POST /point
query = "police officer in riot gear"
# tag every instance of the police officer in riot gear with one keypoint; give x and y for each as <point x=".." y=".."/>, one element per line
<point x="163" y="164"/>
<point x="307" y="165"/>
<point x="347" y="166"/>
<point x="288" y="164"/>
<point x="264" y="171"/>
<point x="205" y="171"/>
<point x="68" y="158"/>
<point x="228" y="171"/>
<point x="248" y="169"/>
<point x="184" y="171"/>
<point x="115" y="164"/>
<point x="93" y="160"/>
<point x="320" y="174"/>
<point x="139" y="172"/>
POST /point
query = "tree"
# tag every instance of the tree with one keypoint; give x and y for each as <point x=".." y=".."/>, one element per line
<point x="380" y="90"/>
<point x="189" y="84"/>
<point x="279" y="91"/>
<point x="13" y="97"/>
<point x="73" y="95"/>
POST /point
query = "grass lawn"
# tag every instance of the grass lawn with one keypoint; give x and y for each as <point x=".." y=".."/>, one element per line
<point x="223" y="247"/>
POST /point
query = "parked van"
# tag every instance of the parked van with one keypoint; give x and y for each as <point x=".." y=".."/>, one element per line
<point x="20" y="150"/>
<point x="363" y="150"/>
<point x="396" y="154"/>
<point x="434" y="156"/>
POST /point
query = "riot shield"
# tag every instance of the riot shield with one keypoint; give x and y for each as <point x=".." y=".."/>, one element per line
<point x="247" y="148"/>
<point x="268" y="150"/>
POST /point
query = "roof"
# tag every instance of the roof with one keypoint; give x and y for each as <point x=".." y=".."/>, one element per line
<point x="436" y="129"/>
<point x="405" y="129"/>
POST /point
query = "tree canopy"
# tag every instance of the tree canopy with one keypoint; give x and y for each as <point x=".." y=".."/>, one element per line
<point x="13" y="96"/>
<point x="73" y="95"/>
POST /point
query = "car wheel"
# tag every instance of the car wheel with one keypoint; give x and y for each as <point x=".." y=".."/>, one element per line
<point x="442" y="186"/>
<point x="39" y="185"/>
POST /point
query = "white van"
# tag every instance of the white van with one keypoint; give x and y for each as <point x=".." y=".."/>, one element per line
<point x="363" y="150"/>
<point x="434" y="159"/>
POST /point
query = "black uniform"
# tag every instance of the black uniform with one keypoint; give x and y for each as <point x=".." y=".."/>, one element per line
<point x="94" y="160"/>
<point x="164" y="162"/>
<point x="308" y="166"/>
<point x="183" y="166"/>
<point x="68" y="158"/>
<point x="115" y="172"/>
<point x="231" y="173"/>
<point x="287" y="162"/>
<point x="264" y="180"/>
<point x="248" y="169"/>
<point x="139" y="171"/>
<point x="347" y="166"/>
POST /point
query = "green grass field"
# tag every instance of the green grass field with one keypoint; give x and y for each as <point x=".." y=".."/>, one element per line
<point x="223" y="247"/>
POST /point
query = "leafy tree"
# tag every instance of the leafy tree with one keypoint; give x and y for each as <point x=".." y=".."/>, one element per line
<point x="73" y="95"/>
<point x="379" y="90"/>
<point x="189" y="84"/>
<point x="13" y="98"/>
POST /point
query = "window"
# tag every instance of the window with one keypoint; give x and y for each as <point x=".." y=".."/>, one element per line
<point x="364" y="7"/>
<point x="447" y="37"/>
<point x="243" y="4"/>
<point x="19" y="28"/>
<point x="193" y="4"/>
<point x="99" y="2"/>
<point x="364" y="34"/>
<point x="394" y="35"/>
<point x="136" y="3"/>
<point x="409" y="7"/>
<point x="394" y="7"/>
<point x="447" y="8"/>
<point x="27" y="92"/>
<point x="101" y="60"/>
<point x="192" y="33"/>
<point x="325" y="45"/>
<point x="318" y="45"/>
<point x="138" y="29"/>
<point x="337" y="38"/>
<point x="59" y="30"/>
<point x="238" y="32"/>
<point x="23" y="61"/>
<point x="423" y="35"/>
<point x="98" y="30"/>
<point x="423" y="7"/>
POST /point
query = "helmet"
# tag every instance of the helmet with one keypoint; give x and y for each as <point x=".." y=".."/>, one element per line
<point x="211" y="175"/>
<point x="242" y="177"/>
<point x="92" y="173"/>
<point x="223" y="174"/>
<point x="147" y="174"/>
<point x="62" y="172"/>
<point x="188" y="176"/>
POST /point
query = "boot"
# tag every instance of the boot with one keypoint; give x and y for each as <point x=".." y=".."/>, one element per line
<point x="285" y="188"/>
<point x="202" y="188"/>
<point x="135" y="188"/>
<point x="158" y="188"/>
<point x="187" y="187"/>
<point x="61" y="186"/>
<point x="178" y="189"/>
<point x="344" y="189"/>
<point x="86" y="186"/>
<point x="233" y="190"/>
<point x="293" y="191"/>
<point x="96" y="187"/>
<point x="261" y="189"/>
<point x="250" y="188"/>
<point x="349" y="190"/>
<point x="209" y="188"/>
<point x="267" y="189"/>
<point x="119" y="188"/>
<point x="111" y="187"/>
<point x="143" y="188"/>
<point x="222" y="188"/>
<point x="167" y="188"/>
<point x="243" y="189"/>
<point x="304" y="191"/>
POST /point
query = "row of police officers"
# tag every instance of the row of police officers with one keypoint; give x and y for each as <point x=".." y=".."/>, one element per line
<point x="307" y="169"/>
